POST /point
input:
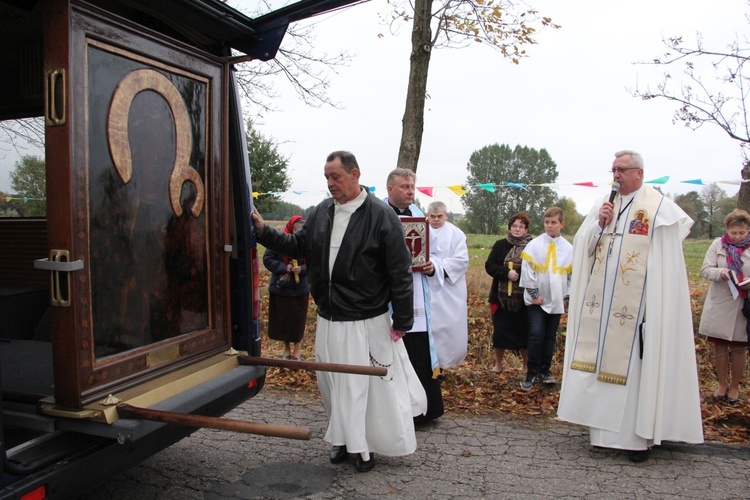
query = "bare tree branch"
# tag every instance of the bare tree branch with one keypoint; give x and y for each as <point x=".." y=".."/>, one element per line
<point x="297" y="63"/>
<point x="504" y="25"/>
<point x="714" y="89"/>
<point x="22" y="135"/>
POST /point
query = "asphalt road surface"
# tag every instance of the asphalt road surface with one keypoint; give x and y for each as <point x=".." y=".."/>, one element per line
<point x="457" y="457"/>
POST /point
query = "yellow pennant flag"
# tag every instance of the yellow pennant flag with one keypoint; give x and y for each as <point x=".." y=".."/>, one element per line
<point x="458" y="189"/>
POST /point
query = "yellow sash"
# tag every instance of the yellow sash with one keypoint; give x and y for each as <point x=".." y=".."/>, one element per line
<point x="620" y="322"/>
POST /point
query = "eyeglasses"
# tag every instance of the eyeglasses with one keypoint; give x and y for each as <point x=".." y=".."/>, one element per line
<point x="518" y="226"/>
<point x="620" y="170"/>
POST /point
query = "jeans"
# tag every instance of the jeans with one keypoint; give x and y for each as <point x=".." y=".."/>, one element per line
<point x="542" y="339"/>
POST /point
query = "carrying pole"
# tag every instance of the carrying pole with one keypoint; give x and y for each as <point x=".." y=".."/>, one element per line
<point x="125" y="410"/>
<point x="313" y="366"/>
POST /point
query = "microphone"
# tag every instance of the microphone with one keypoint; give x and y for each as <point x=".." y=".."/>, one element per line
<point x="615" y="189"/>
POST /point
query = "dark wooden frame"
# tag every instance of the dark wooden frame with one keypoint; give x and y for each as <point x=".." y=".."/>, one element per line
<point x="80" y="376"/>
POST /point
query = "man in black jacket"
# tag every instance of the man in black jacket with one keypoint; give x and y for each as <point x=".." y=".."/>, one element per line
<point x="358" y="263"/>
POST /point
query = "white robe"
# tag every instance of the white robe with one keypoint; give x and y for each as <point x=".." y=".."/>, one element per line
<point x="368" y="413"/>
<point x="661" y="400"/>
<point x="422" y="301"/>
<point x="552" y="282"/>
<point x="450" y="256"/>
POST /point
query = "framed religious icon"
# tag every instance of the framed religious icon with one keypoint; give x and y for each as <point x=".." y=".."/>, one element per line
<point x="417" y="234"/>
<point x="145" y="182"/>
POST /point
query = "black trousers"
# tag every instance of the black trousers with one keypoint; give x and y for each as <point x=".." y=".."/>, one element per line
<point x="418" y="346"/>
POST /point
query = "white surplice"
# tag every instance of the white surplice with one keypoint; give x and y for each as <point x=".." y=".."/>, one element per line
<point x="450" y="256"/>
<point x="661" y="400"/>
<point x="545" y="267"/>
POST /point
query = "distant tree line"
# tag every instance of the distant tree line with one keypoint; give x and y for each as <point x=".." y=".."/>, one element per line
<point x="707" y="209"/>
<point x="488" y="210"/>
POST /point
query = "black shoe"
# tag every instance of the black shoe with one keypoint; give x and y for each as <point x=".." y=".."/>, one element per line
<point x="528" y="383"/>
<point x="638" y="456"/>
<point x="548" y="379"/>
<point x="338" y="454"/>
<point x="365" y="465"/>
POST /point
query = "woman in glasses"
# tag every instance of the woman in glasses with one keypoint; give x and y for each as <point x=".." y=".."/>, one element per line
<point x="506" y="297"/>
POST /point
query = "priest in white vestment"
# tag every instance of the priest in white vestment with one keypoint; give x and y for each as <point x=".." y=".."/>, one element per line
<point x="450" y="256"/>
<point x="419" y="341"/>
<point x="630" y="370"/>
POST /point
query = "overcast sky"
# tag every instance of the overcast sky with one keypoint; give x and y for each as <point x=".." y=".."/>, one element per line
<point x="569" y="97"/>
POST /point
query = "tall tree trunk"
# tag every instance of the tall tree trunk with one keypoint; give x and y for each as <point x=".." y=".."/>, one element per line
<point x="743" y="198"/>
<point x="412" y="125"/>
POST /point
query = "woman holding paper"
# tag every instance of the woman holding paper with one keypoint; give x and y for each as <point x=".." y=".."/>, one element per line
<point x="288" y="296"/>
<point x="722" y="320"/>
<point x="506" y="297"/>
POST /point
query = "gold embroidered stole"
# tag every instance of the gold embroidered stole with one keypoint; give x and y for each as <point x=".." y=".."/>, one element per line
<point x="620" y="322"/>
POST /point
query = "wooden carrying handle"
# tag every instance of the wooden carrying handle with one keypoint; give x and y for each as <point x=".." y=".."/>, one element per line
<point x="314" y="365"/>
<point x="225" y="424"/>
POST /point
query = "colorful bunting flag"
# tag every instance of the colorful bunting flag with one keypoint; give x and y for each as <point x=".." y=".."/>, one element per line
<point x="459" y="189"/>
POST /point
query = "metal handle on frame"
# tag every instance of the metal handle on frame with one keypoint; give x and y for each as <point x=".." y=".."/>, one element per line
<point x="55" y="100"/>
<point x="59" y="262"/>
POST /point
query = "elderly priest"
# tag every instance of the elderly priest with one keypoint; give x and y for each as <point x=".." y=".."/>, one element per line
<point x="629" y="370"/>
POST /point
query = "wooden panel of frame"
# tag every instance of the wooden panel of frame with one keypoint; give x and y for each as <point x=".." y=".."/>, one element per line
<point x="142" y="197"/>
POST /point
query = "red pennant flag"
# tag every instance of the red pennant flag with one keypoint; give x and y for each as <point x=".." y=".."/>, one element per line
<point x="425" y="190"/>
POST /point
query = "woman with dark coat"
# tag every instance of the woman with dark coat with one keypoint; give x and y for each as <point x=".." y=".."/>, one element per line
<point x="288" y="296"/>
<point x="506" y="297"/>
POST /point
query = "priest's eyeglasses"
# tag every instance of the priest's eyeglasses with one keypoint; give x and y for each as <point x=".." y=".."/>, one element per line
<point x="621" y="170"/>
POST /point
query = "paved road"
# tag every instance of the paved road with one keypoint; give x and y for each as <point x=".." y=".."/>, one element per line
<point x="475" y="457"/>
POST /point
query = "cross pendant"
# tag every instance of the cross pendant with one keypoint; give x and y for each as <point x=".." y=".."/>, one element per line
<point x="612" y="242"/>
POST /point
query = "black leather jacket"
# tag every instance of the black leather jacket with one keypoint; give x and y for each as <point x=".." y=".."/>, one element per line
<point x="372" y="269"/>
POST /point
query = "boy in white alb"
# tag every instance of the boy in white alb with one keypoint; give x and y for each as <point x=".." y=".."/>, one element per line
<point x="546" y="265"/>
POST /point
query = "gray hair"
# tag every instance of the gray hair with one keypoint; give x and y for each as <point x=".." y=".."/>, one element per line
<point x="437" y="206"/>
<point x="348" y="161"/>
<point x="401" y="172"/>
<point x="637" y="158"/>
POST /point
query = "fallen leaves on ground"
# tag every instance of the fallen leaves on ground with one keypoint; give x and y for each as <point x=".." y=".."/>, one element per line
<point x="473" y="388"/>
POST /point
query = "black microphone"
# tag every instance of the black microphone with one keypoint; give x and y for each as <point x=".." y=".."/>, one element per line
<point x="615" y="189"/>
